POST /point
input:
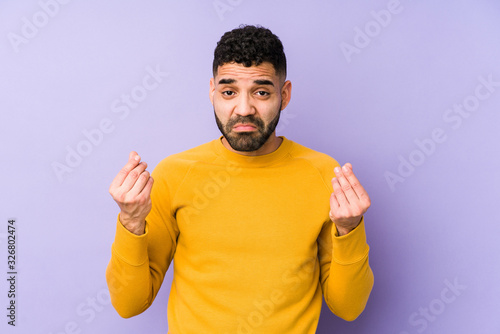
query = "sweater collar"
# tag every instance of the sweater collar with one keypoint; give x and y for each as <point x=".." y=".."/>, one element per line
<point x="253" y="161"/>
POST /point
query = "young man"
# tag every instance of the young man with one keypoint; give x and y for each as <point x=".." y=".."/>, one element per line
<point x="259" y="227"/>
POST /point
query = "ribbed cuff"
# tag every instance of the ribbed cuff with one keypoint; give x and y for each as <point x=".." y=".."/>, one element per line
<point x="131" y="248"/>
<point x="352" y="247"/>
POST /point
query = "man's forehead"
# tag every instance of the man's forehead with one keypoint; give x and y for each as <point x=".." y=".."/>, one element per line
<point x="239" y="71"/>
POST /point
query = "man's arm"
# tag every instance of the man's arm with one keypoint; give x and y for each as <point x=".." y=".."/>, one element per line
<point x="143" y="246"/>
<point x="346" y="277"/>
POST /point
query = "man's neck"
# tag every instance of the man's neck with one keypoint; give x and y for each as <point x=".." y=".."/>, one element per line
<point x="269" y="146"/>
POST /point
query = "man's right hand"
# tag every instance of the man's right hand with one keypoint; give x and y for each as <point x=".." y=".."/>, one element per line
<point x="131" y="190"/>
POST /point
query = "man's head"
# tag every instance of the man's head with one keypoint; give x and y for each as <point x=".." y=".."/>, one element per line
<point x="250" y="45"/>
<point x="248" y="90"/>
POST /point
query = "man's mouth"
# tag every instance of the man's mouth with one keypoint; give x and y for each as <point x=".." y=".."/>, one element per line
<point x="242" y="127"/>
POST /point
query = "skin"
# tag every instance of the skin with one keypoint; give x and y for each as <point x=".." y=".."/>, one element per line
<point x="255" y="90"/>
<point x="349" y="200"/>
<point x="131" y="190"/>
<point x="239" y="91"/>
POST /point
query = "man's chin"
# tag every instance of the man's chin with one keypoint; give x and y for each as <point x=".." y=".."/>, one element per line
<point x="244" y="141"/>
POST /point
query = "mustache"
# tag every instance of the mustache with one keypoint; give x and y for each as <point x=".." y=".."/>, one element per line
<point x="250" y="119"/>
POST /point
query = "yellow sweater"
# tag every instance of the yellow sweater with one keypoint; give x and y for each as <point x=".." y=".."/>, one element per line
<point x="251" y="241"/>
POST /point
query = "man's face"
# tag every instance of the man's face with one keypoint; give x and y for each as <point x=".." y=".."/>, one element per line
<point x="247" y="103"/>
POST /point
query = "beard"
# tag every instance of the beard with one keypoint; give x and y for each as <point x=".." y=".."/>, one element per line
<point x="247" y="141"/>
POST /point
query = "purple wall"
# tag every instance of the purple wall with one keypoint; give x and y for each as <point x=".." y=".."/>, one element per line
<point x="407" y="91"/>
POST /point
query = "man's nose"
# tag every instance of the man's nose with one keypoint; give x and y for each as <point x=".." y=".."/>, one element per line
<point x="244" y="106"/>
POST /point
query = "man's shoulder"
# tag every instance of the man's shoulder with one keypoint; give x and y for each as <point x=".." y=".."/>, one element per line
<point x="197" y="153"/>
<point x="185" y="159"/>
<point x="317" y="161"/>
<point x="316" y="158"/>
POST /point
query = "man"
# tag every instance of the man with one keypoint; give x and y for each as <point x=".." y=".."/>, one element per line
<point x="258" y="227"/>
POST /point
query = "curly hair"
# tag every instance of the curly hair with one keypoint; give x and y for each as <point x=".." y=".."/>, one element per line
<point x="250" y="45"/>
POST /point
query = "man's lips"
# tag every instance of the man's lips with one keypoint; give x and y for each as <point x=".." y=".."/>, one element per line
<point x="244" y="127"/>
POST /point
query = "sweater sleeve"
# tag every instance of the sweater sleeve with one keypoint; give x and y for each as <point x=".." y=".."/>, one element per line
<point x="346" y="277"/>
<point x="139" y="263"/>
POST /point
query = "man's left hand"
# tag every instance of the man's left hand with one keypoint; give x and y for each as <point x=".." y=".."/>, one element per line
<point x="349" y="200"/>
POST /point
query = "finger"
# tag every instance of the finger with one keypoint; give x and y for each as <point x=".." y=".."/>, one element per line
<point x="355" y="184"/>
<point x="132" y="176"/>
<point x="147" y="189"/>
<point x="139" y="184"/>
<point x="346" y="185"/>
<point x="145" y="195"/>
<point x="133" y="161"/>
<point x="339" y="193"/>
<point x="334" y="204"/>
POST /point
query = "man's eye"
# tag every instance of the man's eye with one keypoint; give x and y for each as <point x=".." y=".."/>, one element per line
<point x="262" y="93"/>
<point x="228" y="93"/>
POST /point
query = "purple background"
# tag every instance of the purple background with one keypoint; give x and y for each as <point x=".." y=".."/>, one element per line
<point x="436" y="226"/>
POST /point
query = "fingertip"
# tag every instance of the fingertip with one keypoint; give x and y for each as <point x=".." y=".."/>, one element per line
<point x="346" y="169"/>
<point x="133" y="156"/>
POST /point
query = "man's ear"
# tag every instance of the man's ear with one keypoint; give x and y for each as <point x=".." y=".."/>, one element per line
<point x="286" y="94"/>
<point x="212" y="90"/>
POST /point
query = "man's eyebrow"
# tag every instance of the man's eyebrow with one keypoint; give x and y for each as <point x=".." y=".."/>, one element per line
<point x="264" y="82"/>
<point x="226" y="81"/>
<point x="258" y="82"/>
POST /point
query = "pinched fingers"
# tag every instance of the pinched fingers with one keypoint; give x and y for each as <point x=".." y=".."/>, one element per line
<point x="133" y="176"/>
<point x="133" y="161"/>
<point x="131" y="181"/>
<point x="340" y="207"/>
<point x="347" y="182"/>
<point x="357" y="189"/>
<point x="348" y="193"/>
<point x="140" y="184"/>
<point x="131" y="190"/>
<point x="338" y="194"/>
